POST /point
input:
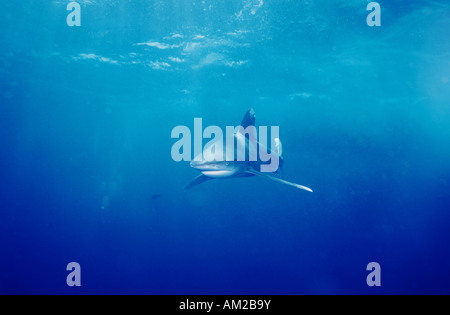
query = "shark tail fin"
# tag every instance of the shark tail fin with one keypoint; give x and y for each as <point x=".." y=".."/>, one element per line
<point x="278" y="149"/>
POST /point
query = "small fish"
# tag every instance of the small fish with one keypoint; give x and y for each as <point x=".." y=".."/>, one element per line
<point x="154" y="197"/>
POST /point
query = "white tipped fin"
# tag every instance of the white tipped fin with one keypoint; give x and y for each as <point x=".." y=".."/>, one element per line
<point x="196" y="181"/>
<point x="278" y="147"/>
<point x="279" y="180"/>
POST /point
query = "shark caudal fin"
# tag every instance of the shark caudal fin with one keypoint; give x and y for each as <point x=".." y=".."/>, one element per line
<point x="278" y="149"/>
<point x="281" y="181"/>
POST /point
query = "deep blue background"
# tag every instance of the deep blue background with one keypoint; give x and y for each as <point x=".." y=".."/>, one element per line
<point x="364" y="116"/>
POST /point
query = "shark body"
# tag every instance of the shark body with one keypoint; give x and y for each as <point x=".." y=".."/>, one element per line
<point x="211" y="169"/>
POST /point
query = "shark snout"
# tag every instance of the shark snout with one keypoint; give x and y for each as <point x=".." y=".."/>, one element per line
<point x="210" y="166"/>
<point x="201" y="165"/>
<point x="196" y="164"/>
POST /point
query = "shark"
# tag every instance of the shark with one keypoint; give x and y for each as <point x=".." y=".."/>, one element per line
<point x="211" y="170"/>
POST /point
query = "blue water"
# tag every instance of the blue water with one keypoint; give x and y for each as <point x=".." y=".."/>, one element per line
<point x="87" y="112"/>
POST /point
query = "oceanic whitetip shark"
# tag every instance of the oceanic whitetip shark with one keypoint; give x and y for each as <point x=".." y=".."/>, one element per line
<point x="235" y="168"/>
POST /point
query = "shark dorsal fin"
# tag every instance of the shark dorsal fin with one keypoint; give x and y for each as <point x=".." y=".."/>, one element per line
<point x="249" y="118"/>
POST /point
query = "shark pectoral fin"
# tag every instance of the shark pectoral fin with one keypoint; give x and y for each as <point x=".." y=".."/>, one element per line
<point x="281" y="181"/>
<point x="196" y="181"/>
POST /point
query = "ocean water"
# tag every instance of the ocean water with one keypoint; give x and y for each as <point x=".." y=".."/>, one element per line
<point x="86" y="115"/>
